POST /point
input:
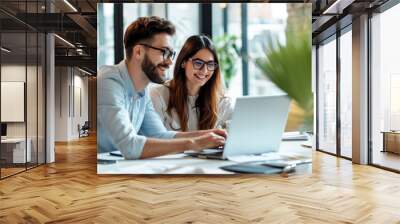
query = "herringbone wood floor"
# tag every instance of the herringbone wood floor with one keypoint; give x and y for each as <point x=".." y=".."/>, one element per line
<point x="70" y="191"/>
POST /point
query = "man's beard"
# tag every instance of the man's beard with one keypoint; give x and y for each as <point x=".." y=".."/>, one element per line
<point x="150" y="70"/>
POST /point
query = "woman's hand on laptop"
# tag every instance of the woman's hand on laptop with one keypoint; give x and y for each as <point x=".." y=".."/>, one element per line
<point x="220" y="132"/>
<point x="192" y="134"/>
<point x="208" y="140"/>
<point x="217" y="131"/>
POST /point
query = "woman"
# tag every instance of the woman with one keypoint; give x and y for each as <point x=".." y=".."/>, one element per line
<point x="194" y="99"/>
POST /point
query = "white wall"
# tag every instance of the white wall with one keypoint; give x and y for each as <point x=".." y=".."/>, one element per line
<point x="70" y="84"/>
<point x="61" y="104"/>
<point x="81" y="100"/>
<point x="14" y="73"/>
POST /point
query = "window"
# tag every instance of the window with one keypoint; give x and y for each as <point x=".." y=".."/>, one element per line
<point x="183" y="16"/>
<point x="346" y="94"/>
<point x="265" y="23"/>
<point x="385" y="84"/>
<point x="232" y="22"/>
<point x="105" y="34"/>
<point x="327" y="96"/>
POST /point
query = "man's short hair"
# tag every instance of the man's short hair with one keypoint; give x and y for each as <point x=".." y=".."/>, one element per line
<point x="144" y="28"/>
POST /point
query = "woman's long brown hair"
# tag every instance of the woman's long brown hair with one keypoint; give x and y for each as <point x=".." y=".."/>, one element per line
<point x="207" y="101"/>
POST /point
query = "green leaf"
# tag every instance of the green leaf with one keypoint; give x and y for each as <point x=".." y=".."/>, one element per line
<point x="228" y="53"/>
<point x="288" y="66"/>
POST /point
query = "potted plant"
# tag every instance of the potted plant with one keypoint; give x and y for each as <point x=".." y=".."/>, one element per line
<point x="228" y="54"/>
<point x="288" y="66"/>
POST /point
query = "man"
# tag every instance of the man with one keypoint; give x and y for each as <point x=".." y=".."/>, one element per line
<point x="126" y="118"/>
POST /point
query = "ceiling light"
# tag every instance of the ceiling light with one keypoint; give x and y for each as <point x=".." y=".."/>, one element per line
<point x="84" y="71"/>
<point x="79" y="51"/>
<point x="65" y="41"/>
<point x="5" y="50"/>
<point x="338" y="6"/>
<point x="70" y="5"/>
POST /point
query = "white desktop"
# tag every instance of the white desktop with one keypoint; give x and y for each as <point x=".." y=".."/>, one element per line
<point x="13" y="149"/>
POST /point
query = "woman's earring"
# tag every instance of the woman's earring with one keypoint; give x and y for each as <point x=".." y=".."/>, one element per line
<point x="183" y="65"/>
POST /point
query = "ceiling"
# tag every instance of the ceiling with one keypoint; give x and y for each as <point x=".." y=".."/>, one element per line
<point x="75" y="21"/>
<point x="330" y="15"/>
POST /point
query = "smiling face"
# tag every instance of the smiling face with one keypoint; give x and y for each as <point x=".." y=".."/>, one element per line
<point x="196" y="78"/>
<point x="153" y="63"/>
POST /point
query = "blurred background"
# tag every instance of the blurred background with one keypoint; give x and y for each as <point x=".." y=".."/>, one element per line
<point x="251" y="39"/>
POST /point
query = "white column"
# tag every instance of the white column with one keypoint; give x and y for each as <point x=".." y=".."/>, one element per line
<point x="50" y="105"/>
<point x="360" y="90"/>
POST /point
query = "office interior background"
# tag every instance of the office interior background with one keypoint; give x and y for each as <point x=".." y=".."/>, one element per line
<point x="48" y="69"/>
<point x="48" y="86"/>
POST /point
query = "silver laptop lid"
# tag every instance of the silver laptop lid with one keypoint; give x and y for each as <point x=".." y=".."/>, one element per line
<point x="257" y="125"/>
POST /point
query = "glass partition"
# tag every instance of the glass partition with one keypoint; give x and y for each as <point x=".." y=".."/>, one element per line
<point x="346" y="94"/>
<point x="327" y="96"/>
<point x="22" y="89"/>
<point x="14" y="154"/>
<point x="385" y="89"/>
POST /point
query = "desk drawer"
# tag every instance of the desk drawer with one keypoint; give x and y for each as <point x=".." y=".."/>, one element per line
<point x="392" y="142"/>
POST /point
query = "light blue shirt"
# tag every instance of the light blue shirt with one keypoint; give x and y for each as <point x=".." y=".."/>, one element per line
<point x="125" y="116"/>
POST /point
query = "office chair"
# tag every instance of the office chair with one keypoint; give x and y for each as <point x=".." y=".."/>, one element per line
<point x="84" y="130"/>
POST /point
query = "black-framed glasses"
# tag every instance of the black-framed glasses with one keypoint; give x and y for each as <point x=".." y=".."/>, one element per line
<point x="198" y="64"/>
<point x="167" y="53"/>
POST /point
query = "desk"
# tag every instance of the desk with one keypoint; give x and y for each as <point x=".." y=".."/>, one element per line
<point x="182" y="164"/>
<point x="13" y="150"/>
<point x="391" y="141"/>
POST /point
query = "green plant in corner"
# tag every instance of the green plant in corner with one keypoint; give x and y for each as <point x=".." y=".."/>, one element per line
<point x="288" y="66"/>
<point x="228" y="54"/>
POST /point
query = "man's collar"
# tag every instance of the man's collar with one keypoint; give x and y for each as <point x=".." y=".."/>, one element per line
<point x="130" y="85"/>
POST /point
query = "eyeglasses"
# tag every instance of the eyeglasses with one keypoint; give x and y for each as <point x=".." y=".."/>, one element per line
<point x="167" y="53"/>
<point x="198" y="64"/>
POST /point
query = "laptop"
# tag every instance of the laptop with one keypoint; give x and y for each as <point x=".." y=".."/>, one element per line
<point x="257" y="126"/>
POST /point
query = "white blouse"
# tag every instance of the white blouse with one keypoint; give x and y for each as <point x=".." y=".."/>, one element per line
<point x="160" y="97"/>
